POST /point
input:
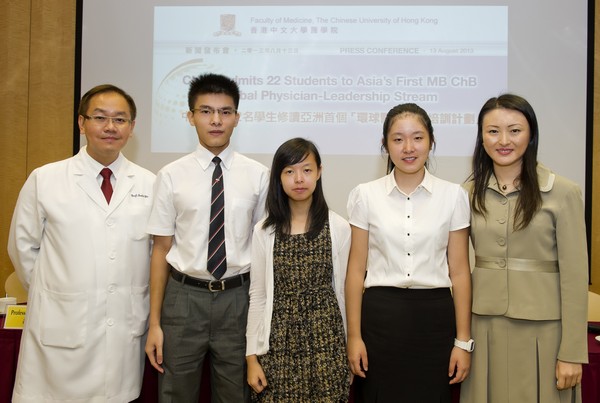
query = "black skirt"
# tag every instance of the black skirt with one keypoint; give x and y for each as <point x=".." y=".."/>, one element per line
<point x="409" y="335"/>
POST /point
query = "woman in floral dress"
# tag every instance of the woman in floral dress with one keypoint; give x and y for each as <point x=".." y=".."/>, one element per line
<point x="296" y="332"/>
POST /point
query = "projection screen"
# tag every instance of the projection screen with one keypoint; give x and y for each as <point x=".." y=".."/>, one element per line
<point x="330" y="72"/>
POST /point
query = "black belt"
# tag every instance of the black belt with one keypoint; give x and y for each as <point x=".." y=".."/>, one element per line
<point x="211" y="285"/>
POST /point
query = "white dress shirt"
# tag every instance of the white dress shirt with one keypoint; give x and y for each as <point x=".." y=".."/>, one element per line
<point x="95" y="166"/>
<point x="182" y="209"/>
<point x="408" y="234"/>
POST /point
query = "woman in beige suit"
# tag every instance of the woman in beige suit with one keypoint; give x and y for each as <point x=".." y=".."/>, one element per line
<point x="530" y="277"/>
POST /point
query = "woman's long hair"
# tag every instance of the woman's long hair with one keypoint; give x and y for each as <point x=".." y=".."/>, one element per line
<point x="530" y="198"/>
<point x="278" y="209"/>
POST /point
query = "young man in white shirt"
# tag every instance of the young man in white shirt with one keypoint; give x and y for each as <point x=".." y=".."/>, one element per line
<point x="192" y="311"/>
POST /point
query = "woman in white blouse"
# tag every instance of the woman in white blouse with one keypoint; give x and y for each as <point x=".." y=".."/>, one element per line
<point x="408" y="333"/>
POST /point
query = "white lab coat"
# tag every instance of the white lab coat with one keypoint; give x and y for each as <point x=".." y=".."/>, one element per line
<point x="86" y="264"/>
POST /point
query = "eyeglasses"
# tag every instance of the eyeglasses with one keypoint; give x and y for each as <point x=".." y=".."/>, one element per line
<point x="100" y="120"/>
<point x="206" y="111"/>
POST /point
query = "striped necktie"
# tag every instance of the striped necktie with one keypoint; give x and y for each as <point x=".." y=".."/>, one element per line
<point x="217" y="261"/>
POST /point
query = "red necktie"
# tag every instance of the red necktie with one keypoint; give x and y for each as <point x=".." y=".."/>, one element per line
<point x="106" y="186"/>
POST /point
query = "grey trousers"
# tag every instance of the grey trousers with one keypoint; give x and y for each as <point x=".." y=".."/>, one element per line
<point x="197" y="322"/>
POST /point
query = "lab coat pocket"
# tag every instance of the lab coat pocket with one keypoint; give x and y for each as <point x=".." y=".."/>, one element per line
<point x="140" y="306"/>
<point x="63" y="319"/>
<point x="139" y="220"/>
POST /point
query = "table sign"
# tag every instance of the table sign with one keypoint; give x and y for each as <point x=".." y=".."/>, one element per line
<point x="15" y="316"/>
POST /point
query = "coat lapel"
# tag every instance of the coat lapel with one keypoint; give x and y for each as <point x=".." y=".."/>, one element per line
<point x="88" y="183"/>
<point x="125" y="182"/>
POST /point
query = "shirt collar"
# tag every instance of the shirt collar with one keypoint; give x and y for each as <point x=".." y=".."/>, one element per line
<point x="545" y="179"/>
<point x="426" y="183"/>
<point x="96" y="167"/>
<point x="205" y="157"/>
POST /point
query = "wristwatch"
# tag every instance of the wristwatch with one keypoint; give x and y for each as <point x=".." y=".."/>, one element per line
<point x="468" y="346"/>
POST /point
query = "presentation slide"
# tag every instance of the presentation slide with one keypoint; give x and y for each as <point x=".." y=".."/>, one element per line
<point x="330" y="71"/>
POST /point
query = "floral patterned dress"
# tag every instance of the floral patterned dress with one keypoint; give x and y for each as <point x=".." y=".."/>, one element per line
<point x="306" y="361"/>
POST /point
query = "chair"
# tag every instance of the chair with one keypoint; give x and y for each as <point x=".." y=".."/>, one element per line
<point x="593" y="307"/>
<point x="14" y="288"/>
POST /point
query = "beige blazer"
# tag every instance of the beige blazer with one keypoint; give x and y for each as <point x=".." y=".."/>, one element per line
<point x="537" y="273"/>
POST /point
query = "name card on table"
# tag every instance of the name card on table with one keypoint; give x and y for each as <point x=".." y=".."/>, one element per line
<point x="15" y="316"/>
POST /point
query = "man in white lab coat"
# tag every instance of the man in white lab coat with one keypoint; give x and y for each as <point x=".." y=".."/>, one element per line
<point x="84" y="255"/>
